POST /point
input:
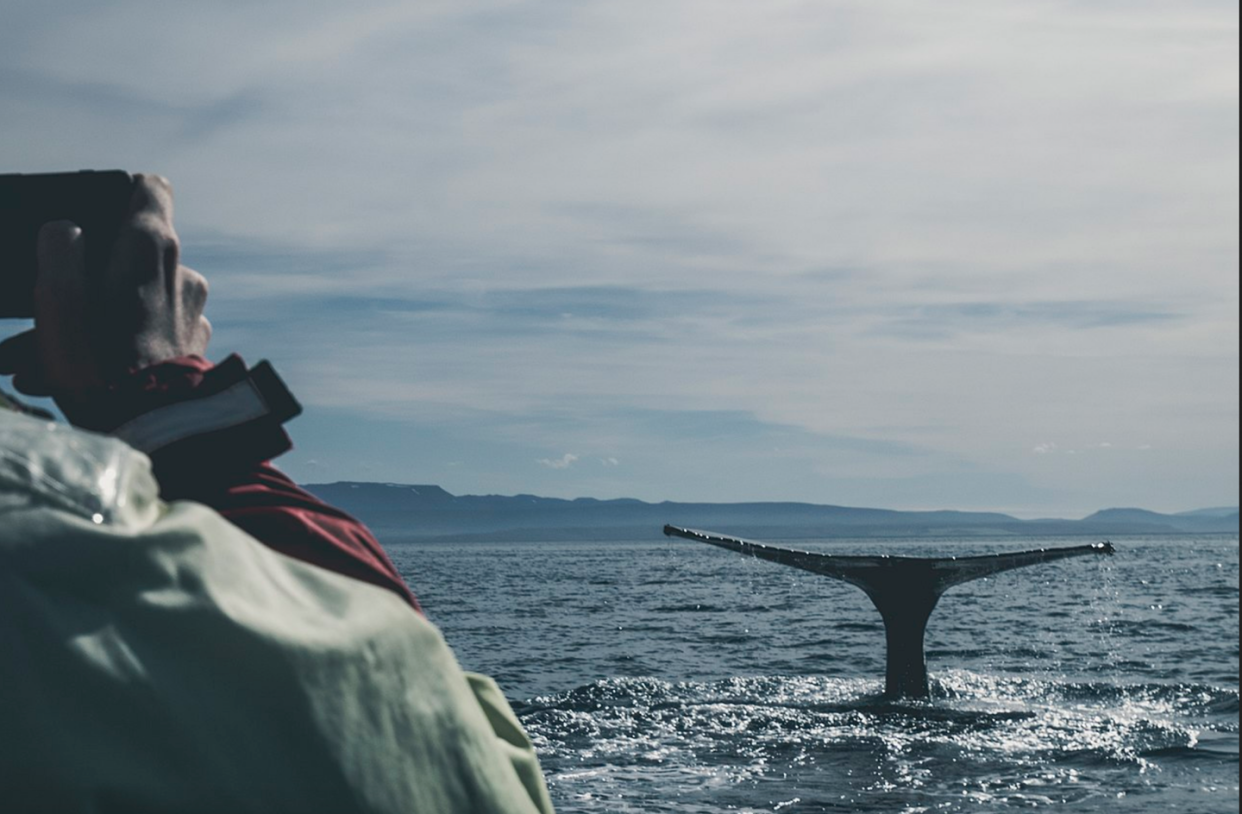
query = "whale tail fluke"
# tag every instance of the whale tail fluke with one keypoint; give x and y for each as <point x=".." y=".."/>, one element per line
<point x="904" y="589"/>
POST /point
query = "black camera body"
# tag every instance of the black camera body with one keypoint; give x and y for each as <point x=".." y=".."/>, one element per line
<point x="97" y="201"/>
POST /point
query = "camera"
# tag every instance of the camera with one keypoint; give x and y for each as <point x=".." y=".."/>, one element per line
<point x="96" y="200"/>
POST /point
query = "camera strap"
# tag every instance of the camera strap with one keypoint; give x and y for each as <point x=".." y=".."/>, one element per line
<point x="252" y="408"/>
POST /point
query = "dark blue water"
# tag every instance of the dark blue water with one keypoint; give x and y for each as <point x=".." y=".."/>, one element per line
<point x="668" y="676"/>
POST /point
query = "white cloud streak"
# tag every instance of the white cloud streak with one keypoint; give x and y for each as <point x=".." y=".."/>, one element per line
<point x="930" y="224"/>
<point x="564" y="462"/>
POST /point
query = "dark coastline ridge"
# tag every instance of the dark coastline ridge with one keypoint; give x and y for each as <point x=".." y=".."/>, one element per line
<point x="410" y="512"/>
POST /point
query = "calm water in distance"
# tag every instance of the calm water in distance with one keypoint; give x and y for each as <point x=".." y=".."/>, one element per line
<point x="668" y="676"/>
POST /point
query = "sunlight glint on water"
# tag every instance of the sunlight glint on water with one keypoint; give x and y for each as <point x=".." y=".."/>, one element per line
<point x="665" y="676"/>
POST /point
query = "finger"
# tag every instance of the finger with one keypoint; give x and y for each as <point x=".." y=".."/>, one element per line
<point x="147" y="248"/>
<point x="204" y="332"/>
<point x="61" y="258"/>
<point x="60" y="286"/>
<point x="151" y="207"/>
<point x="61" y="313"/>
<point x="152" y="195"/>
<point x="194" y="289"/>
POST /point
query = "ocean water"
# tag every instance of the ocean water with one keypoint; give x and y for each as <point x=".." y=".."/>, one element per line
<point x="668" y="676"/>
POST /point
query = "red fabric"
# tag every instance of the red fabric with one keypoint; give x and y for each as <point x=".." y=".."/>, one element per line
<point x="139" y="391"/>
<point x="270" y="507"/>
<point x="252" y="495"/>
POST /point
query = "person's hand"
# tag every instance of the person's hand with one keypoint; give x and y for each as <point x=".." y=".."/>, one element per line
<point x="145" y="308"/>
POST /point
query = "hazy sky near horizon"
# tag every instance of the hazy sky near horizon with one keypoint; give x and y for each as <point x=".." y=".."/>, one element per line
<point x="979" y="254"/>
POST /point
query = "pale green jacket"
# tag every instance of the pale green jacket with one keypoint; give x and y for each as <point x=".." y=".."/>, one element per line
<point x="154" y="658"/>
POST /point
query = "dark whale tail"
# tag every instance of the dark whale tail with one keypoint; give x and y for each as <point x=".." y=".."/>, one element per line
<point x="904" y="589"/>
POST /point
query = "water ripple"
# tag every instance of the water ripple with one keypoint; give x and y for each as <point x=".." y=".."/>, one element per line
<point x="983" y="738"/>
<point x="668" y="677"/>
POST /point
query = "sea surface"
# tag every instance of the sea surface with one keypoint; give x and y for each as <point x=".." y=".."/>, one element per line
<point x="664" y="675"/>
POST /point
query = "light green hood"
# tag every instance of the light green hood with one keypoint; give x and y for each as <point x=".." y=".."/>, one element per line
<point x="156" y="658"/>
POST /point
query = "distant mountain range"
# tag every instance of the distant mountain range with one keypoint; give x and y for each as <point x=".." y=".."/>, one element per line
<point x="404" y="512"/>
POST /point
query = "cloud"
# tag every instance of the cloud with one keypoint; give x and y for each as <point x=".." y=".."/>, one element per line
<point x="948" y="319"/>
<point x="868" y="235"/>
<point x="564" y="462"/>
<point x="1046" y="448"/>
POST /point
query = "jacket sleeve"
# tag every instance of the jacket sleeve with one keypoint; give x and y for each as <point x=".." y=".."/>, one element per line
<point x="167" y="411"/>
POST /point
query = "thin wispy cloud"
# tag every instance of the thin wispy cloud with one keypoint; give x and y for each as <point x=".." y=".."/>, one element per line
<point x="564" y="462"/>
<point x="883" y="239"/>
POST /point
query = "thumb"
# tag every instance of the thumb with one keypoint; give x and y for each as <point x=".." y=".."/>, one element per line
<point x="62" y="263"/>
<point x="61" y="315"/>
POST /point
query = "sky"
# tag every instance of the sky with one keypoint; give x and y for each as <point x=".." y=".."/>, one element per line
<point x="972" y="254"/>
